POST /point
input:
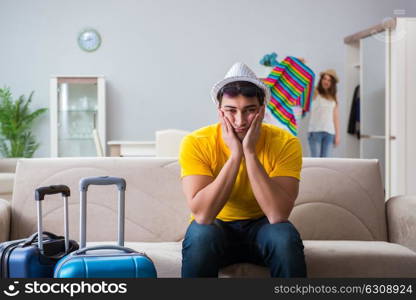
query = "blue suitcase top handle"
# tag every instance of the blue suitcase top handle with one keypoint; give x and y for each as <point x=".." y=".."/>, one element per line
<point x="104" y="247"/>
<point x="103" y="180"/>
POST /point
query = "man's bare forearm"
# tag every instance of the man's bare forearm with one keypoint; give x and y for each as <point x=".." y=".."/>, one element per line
<point x="275" y="202"/>
<point x="211" y="199"/>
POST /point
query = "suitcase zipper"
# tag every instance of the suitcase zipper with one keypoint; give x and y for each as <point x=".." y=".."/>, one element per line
<point x="5" y="258"/>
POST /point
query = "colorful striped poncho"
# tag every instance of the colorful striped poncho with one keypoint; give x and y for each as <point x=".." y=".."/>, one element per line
<point x="291" y="84"/>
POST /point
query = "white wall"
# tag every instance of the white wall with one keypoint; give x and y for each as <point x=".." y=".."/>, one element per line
<point x="161" y="58"/>
<point x="403" y="106"/>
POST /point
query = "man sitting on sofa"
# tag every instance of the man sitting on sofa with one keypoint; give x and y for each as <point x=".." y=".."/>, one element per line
<point x="241" y="179"/>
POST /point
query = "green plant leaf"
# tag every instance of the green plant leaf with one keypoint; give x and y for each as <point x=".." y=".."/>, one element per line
<point x="4" y="148"/>
<point x="16" y="122"/>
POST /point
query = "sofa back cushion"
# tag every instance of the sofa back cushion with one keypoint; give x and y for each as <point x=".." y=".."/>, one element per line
<point x="156" y="209"/>
<point x="339" y="199"/>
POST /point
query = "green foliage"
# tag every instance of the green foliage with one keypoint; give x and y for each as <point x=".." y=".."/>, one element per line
<point x="16" y="120"/>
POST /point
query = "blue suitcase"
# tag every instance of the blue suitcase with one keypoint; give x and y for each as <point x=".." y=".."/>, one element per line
<point x="37" y="255"/>
<point x="106" y="261"/>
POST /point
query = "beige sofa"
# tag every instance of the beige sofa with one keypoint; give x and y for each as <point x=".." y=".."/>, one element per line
<point x="347" y="228"/>
<point x="7" y="170"/>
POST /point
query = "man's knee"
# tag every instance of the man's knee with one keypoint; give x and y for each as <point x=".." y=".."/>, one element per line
<point x="204" y="236"/>
<point x="280" y="236"/>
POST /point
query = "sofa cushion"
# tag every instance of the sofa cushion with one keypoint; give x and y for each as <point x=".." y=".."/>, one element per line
<point x="323" y="259"/>
<point x="340" y="199"/>
<point x="344" y="259"/>
<point x="6" y="183"/>
<point x="359" y="259"/>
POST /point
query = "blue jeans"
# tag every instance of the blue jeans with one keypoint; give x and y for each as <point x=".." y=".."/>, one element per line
<point x="207" y="248"/>
<point x="320" y="143"/>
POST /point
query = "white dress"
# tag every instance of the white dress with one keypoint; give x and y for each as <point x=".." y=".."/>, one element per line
<point x="322" y="115"/>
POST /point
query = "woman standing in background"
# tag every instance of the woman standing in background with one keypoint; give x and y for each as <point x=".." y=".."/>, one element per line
<point x="324" y="120"/>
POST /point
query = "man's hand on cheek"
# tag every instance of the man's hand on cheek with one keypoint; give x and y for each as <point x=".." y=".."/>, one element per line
<point x="229" y="136"/>
<point x="253" y="133"/>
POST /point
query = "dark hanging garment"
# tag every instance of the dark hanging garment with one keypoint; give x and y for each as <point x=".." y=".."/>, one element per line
<point x="354" y="120"/>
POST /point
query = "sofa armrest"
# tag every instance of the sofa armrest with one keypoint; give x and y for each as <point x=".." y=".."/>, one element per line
<point x="401" y="220"/>
<point x="8" y="165"/>
<point x="5" y="212"/>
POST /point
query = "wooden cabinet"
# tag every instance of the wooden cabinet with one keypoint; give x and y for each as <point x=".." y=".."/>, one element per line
<point x="77" y="116"/>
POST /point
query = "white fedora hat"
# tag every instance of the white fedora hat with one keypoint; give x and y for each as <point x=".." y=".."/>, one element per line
<point x="240" y="72"/>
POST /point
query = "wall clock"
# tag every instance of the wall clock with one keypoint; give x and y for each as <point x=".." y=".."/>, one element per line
<point x="89" y="40"/>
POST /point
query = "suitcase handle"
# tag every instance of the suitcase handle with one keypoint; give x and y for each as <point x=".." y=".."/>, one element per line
<point x="34" y="237"/>
<point x="105" y="247"/>
<point x="39" y="196"/>
<point x="50" y="190"/>
<point x="103" y="180"/>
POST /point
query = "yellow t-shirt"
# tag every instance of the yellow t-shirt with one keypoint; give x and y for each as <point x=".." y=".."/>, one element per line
<point x="204" y="152"/>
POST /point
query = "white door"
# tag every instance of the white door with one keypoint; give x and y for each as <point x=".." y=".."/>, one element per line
<point x="372" y="98"/>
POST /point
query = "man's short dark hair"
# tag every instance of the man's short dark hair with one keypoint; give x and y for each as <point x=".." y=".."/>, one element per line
<point x="244" y="88"/>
